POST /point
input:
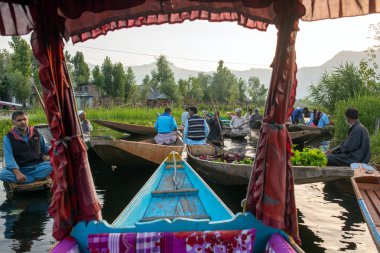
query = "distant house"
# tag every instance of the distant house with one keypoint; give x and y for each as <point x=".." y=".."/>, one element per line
<point x="87" y="95"/>
<point x="155" y="98"/>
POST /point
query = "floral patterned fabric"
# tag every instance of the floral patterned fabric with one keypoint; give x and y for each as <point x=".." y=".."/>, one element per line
<point x="221" y="241"/>
<point x="231" y="241"/>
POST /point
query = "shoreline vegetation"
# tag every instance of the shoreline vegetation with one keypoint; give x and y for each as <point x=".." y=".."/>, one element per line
<point x="368" y="107"/>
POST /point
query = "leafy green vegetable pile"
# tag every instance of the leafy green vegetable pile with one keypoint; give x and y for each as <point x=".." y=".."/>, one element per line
<point x="309" y="157"/>
<point x="226" y="158"/>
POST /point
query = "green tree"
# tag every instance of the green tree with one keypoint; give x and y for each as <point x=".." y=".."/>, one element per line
<point x="256" y="91"/>
<point x="204" y="81"/>
<point x="21" y="58"/>
<point x="69" y="65"/>
<point x="107" y="75"/>
<point x="97" y="77"/>
<point x="130" y="82"/>
<point x="196" y="89"/>
<point x="146" y="86"/>
<point x="343" y="83"/>
<point x="184" y="89"/>
<point x="20" y="85"/>
<point x="242" y="90"/>
<point x="163" y="78"/>
<point x="118" y="81"/>
<point x="4" y="70"/>
<point x="81" y="73"/>
<point x="222" y="84"/>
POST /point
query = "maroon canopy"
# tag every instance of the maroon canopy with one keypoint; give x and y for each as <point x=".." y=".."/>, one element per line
<point x="271" y="194"/>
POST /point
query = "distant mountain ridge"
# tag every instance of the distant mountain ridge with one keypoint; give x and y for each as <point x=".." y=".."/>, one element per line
<point x="306" y="76"/>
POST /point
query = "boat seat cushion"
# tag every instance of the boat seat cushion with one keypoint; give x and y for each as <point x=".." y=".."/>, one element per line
<point x="176" y="242"/>
<point x="278" y="244"/>
<point x="67" y="245"/>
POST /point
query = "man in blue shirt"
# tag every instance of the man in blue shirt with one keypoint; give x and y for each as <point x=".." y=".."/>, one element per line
<point x="318" y="119"/>
<point x="297" y="115"/>
<point x="166" y="128"/>
<point x="24" y="150"/>
<point x="196" y="129"/>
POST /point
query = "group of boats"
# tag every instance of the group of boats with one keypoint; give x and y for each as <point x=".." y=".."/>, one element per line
<point x="176" y="199"/>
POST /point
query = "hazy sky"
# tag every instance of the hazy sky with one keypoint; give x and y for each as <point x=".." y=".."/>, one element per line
<point x="198" y="45"/>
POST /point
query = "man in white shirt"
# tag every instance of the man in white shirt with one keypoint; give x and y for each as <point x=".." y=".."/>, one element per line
<point x="239" y="124"/>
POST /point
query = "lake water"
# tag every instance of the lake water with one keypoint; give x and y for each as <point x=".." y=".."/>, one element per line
<point x="329" y="216"/>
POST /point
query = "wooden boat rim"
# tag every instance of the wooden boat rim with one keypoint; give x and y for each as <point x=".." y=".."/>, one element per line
<point x="107" y="141"/>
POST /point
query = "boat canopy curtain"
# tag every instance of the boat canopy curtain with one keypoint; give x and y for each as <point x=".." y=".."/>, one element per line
<point x="270" y="194"/>
<point x="74" y="198"/>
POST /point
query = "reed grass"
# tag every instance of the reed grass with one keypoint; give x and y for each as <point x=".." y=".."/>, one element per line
<point x="369" y="111"/>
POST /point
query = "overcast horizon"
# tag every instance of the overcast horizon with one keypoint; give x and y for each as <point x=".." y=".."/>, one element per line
<point x="199" y="45"/>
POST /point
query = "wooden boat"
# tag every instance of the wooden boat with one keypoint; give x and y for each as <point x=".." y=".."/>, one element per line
<point x="366" y="184"/>
<point x="325" y="131"/>
<point x="231" y="135"/>
<point x="130" y="128"/>
<point x="138" y="153"/>
<point x="239" y="174"/>
<point x="304" y="135"/>
<point x="175" y="206"/>
<point x="127" y="128"/>
<point x="35" y="186"/>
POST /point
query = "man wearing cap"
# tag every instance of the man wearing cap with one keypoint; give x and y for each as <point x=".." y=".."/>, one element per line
<point x="239" y="124"/>
<point x="357" y="147"/>
<point x="24" y="150"/>
<point x="85" y="124"/>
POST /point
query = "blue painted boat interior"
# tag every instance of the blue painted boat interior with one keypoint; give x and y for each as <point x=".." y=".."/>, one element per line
<point x="160" y="197"/>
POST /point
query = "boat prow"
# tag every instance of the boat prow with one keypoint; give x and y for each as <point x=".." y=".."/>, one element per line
<point x="176" y="205"/>
<point x="366" y="184"/>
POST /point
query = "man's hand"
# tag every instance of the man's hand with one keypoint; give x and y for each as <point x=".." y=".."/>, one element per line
<point x="19" y="176"/>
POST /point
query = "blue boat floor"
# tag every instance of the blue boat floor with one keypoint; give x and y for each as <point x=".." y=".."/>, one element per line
<point x="175" y="198"/>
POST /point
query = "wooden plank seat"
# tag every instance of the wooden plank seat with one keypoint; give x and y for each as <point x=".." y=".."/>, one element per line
<point x="181" y="192"/>
<point x="196" y="217"/>
<point x="178" y="167"/>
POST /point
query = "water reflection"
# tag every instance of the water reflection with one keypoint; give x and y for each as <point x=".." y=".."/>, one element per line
<point x="25" y="218"/>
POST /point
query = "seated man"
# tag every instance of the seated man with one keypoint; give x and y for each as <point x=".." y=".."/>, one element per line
<point x="298" y="115"/>
<point x="196" y="129"/>
<point x="255" y="120"/>
<point x="318" y="119"/>
<point x="215" y="126"/>
<point x="357" y="147"/>
<point x="85" y="125"/>
<point x="185" y="116"/>
<point x="24" y="150"/>
<point x="166" y="128"/>
<point x="239" y="124"/>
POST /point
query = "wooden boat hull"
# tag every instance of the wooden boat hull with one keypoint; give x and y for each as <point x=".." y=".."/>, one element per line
<point x="304" y="135"/>
<point x="130" y="128"/>
<point x="40" y="185"/>
<point x="239" y="174"/>
<point x="143" y="153"/>
<point x="325" y="131"/>
<point x="367" y="190"/>
<point x="219" y="173"/>
<point x="127" y="128"/>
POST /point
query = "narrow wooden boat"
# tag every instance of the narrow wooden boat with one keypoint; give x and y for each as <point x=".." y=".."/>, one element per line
<point x="304" y="135"/>
<point x="325" y="131"/>
<point x="366" y="184"/>
<point x="239" y="174"/>
<point x="138" y="153"/>
<point x="127" y="128"/>
<point x="231" y="135"/>
<point x="173" y="211"/>
<point x="35" y="186"/>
